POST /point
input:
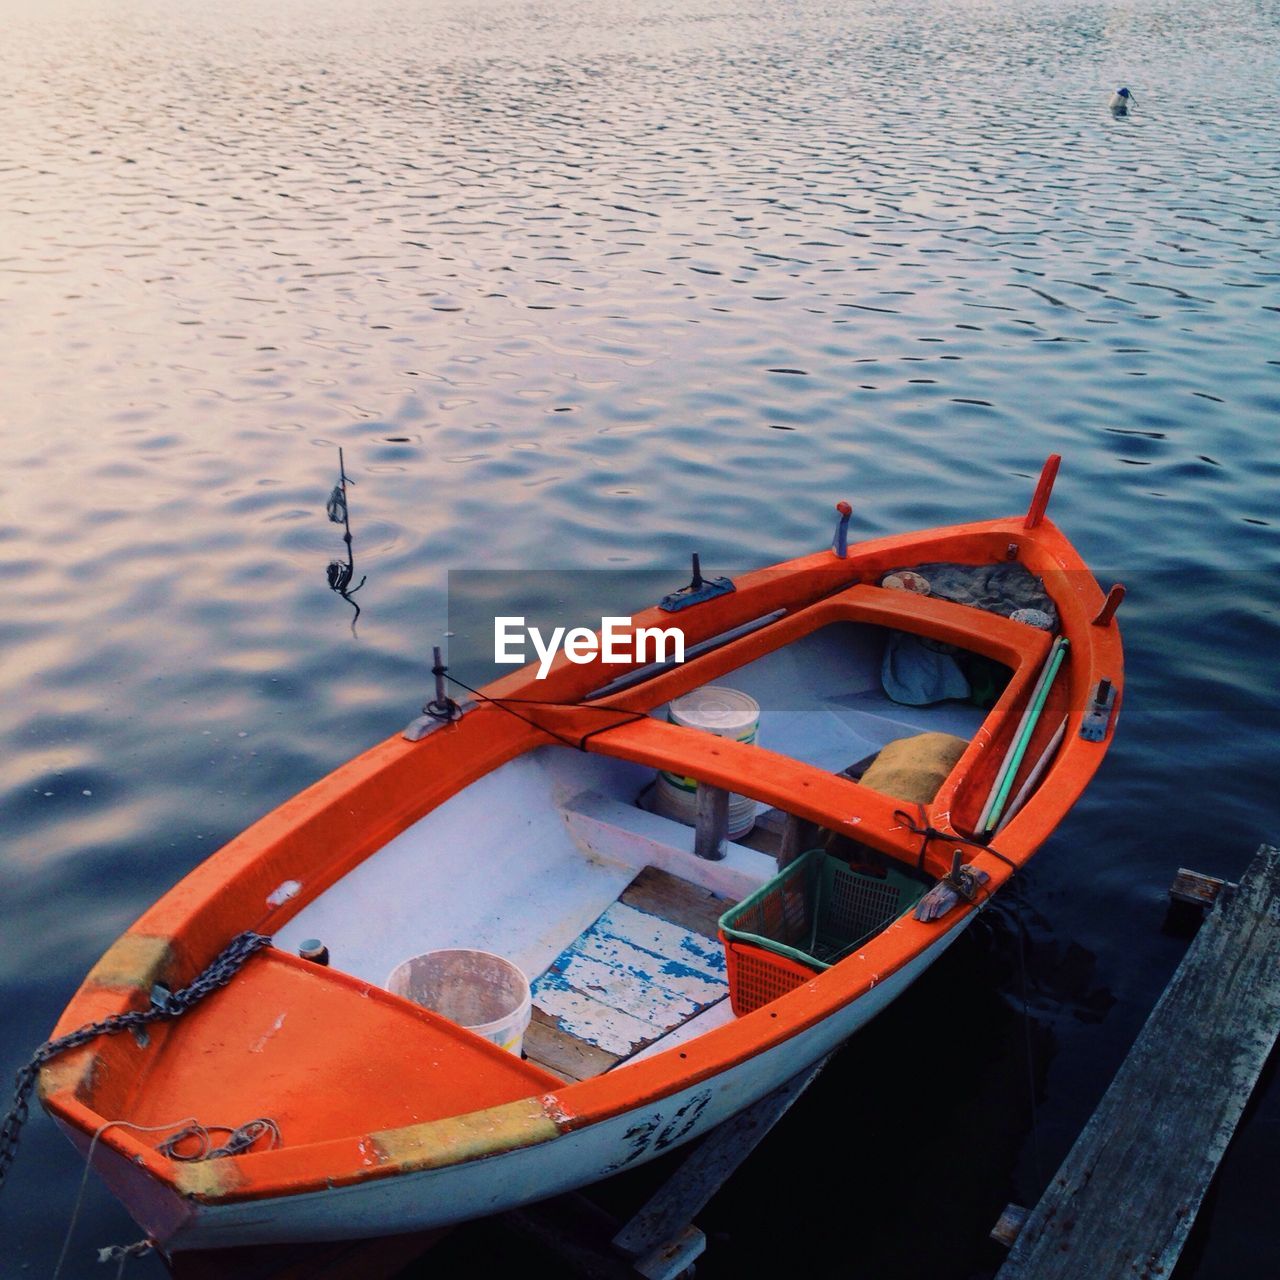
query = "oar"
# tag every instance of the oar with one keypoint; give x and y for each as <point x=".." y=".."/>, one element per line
<point x="1034" y="776"/>
<point x="1024" y="739"/>
<point x="1054" y="649"/>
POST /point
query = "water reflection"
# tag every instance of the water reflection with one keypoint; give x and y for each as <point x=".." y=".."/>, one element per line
<point x="614" y="280"/>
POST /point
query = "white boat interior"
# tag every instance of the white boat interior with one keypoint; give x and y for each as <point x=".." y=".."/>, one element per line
<point x="555" y="862"/>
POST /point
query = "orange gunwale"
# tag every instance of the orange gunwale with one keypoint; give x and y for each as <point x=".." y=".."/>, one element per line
<point x="319" y="835"/>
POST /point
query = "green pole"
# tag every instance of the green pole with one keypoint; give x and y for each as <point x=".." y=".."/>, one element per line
<point x="1024" y="739"/>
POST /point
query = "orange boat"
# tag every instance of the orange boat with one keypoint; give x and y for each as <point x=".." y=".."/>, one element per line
<point x="683" y="962"/>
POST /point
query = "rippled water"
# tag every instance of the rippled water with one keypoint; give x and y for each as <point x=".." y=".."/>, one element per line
<point x="591" y="285"/>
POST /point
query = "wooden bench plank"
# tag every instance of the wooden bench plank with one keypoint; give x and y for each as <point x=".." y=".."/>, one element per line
<point x="658" y="893"/>
<point x="676" y="901"/>
<point x="1126" y="1196"/>
<point x="550" y="1046"/>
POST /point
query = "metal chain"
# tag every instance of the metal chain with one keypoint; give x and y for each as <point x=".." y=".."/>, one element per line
<point x="164" y="1004"/>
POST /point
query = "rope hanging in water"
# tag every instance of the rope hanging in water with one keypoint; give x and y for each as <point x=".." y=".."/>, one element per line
<point x="164" y="1004"/>
<point x="341" y="573"/>
<point x="336" y="507"/>
<point x="123" y="1252"/>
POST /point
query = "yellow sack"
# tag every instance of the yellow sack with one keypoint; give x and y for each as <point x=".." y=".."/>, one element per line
<point x="914" y="768"/>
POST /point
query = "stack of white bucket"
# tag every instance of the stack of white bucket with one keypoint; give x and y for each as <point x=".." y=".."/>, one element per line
<point x="728" y="714"/>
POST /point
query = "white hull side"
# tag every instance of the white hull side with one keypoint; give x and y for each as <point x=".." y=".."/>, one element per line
<point x="438" y="1197"/>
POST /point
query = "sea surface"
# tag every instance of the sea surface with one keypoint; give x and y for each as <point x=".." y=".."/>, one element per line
<point x="590" y="286"/>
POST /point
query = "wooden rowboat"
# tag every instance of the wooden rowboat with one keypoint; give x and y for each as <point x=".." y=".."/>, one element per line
<point x="521" y="826"/>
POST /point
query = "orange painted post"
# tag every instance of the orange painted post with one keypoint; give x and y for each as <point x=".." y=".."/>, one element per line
<point x="1108" y="610"/>
<point x="1048" y="474"/>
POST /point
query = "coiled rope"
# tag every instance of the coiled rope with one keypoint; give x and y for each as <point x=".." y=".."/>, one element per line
<point x="239" y="1140"/>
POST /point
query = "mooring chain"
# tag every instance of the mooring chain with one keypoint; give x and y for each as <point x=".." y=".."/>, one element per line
<point x="164" y="1004"/>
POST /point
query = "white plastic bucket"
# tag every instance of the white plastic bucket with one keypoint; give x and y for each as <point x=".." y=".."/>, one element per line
<point x="482" y="992"/>
<point x="727" y="713"/>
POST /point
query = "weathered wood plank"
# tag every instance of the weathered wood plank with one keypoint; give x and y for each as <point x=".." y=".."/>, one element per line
<point x="711" y="826"/>
<point x="1127" y="1194"/>
<point x="799" y="836"/>
<point x="561" y="1053"/>
<point x="1009" y="1224"/>
<point x="676" y="901"/>
<point x="630" y="978"/>
<point x="1195" y="888"/>
<point x="675" y="1257"/>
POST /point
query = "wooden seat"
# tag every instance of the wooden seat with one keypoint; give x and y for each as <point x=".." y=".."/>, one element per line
<point x="650" y="963"/>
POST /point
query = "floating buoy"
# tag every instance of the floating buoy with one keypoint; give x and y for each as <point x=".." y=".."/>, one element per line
<point x="1122" y="101"/>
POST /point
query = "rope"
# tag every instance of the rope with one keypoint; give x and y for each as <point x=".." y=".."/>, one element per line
<point x="164" y="1004"/>
<point x="84" y="1178"/>
<point x="342" y="573"/>
<point x="336" y="507"/>
<point x="927" y="831"/>
<point x="506" y="704"/>
<point x="123" y="1252"/>
<point x="239" y="1140"/>
<point x="442" y="707"/>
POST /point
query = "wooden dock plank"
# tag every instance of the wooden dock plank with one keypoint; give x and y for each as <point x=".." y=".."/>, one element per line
<point x="1195" y="888"/>
<point x="1126" y="1196"/>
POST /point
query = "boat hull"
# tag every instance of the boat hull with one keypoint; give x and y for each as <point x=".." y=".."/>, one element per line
<point x="458" y="1193"/>
<point x="396" y="1120"/>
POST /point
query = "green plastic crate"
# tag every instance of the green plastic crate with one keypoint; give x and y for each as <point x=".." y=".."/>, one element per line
<point x="810" y="915"/>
